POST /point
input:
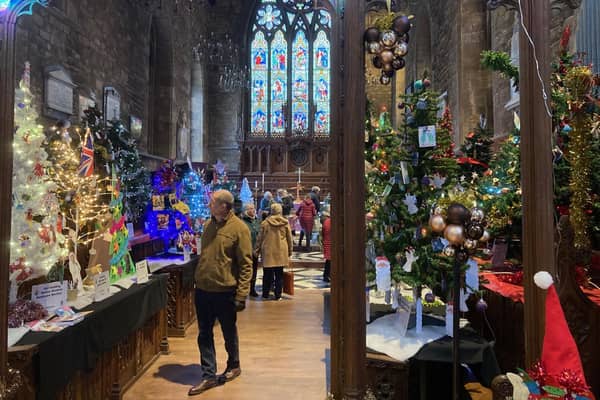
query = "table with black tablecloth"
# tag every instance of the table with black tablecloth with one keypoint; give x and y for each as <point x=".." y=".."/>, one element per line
<point x="105" y="352"/>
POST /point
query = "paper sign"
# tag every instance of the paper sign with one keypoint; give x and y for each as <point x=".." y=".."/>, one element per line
<point x="102" y="283"/>
<point x="449" y="320"/>
<point x="130" y="229"/>
<point x="50" y="295"/>
<point x="427" y="136"/>
<point x="141" y="268"/>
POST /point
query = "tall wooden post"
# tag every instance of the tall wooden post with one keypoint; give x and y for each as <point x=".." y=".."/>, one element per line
<point x="536" y="169"/>
<point x="348" y="328"/>
<point x="8" y="20"/>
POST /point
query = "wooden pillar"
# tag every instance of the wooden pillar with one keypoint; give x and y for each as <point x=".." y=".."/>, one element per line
<point x="536" y="169"/>
<point x="347" y="173"/>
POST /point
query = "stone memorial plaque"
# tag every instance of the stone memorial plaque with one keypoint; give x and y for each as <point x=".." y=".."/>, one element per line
<point x="58" y="92"/>
<point x="112" y="104"/>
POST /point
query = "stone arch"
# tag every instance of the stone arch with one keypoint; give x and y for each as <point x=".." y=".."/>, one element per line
<point x="160" y="94"/>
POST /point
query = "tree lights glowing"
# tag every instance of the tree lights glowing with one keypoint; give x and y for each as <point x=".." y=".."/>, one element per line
<point x="36" y="242"/>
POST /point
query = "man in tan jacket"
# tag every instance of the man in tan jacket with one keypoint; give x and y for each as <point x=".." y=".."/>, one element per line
<point x="222" y="285"/>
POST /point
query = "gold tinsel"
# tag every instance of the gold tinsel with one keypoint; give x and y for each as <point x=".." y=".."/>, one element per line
<point x="579" y="83"/>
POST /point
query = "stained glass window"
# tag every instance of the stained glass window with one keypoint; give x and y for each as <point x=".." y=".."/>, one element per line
<point x="290" y="62"/>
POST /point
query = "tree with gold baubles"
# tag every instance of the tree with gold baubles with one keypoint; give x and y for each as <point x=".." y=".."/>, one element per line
<point x="36" y="241"/>
<point x="404" y="180"/>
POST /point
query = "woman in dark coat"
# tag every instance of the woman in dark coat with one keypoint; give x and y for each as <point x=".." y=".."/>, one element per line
<point x="326" y="237"/>
<point x="306" y="212"/>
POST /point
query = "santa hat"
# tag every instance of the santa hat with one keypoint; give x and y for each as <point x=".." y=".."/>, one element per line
<point x="559" y="351"/>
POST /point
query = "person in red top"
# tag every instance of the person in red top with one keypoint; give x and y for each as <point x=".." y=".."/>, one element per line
<point x="326" y="237"/>
<point x="306" y="213"/>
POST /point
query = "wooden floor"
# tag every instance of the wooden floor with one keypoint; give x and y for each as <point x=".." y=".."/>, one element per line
<point x="284" y="353"/>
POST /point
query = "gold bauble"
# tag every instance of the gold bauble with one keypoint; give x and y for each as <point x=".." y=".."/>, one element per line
<point x="455" y="234"/>
<point x="437" y="223"/>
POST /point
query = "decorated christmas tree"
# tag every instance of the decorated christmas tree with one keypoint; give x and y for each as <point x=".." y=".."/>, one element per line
<point x="81" y="193"/>
<point x="195" y="195"/>
<point x="134" y="177"/>
<point x="476" y="150"/>
<point x="410" y="171"/>
<point x="36" y="242"/>
<point x="121" y="264"/>
<point x="246" y="192"/>
<point x="500" y="188"/>
<point x="167" y="216"/>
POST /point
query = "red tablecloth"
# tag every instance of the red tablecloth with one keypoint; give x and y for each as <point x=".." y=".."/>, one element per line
<point x="517" y="293"/>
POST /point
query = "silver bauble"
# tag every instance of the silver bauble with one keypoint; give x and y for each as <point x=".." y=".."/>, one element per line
<point x="470" y="244"/>
<point x="486" y="236"/>
<point x="449" y="251"/>
<point x="477" y="214"/>
<point x="400" y="49"/>
<point x="384" y="79"/>
<point x="374" y="48"/>
<point x="388" y="39"/>
<point x="455" y="234"/>
<point x="438" y="210"/>
<point x="437" y="223"/>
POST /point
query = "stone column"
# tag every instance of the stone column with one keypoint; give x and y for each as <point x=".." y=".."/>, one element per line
<point x="197" y="117"/>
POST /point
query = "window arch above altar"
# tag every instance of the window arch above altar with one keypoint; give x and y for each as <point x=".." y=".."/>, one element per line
<point x="290" y="69"/>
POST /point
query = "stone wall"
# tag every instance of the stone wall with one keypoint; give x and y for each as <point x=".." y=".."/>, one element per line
<point x="108" y="43"/>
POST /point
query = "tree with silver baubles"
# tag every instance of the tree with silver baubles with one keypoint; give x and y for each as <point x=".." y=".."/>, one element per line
<point x="388" y="43"/>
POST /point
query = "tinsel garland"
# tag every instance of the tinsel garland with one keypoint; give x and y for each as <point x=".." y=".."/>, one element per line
<point x="579" y="81"/>
<point x="22" y="311"/>
<point x="567" y="385"/>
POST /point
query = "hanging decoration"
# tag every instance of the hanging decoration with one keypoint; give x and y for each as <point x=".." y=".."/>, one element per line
<point x="388" y="43"/>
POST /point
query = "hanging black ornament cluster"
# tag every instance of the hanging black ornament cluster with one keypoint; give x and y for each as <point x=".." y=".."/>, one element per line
<point x="388" y="47"/>
<point x="462" y="228"/>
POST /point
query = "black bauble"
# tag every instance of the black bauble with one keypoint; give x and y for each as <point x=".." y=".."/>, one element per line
<point x="377" y="63"/>
<point x="457" y="214"/>
<point x="371" y="35"/>
<point x="461" y="255"/>
<point x="401" y="24"/>
<point x="398" y="63"/>
<point x="474" y="231"/>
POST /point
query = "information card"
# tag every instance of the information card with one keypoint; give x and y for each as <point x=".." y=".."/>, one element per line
<point x="141" y="268"/>
<point x="102" y="283"/>
<point x="50" y="295"/>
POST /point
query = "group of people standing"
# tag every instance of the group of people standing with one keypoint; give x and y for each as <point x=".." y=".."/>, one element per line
<point x="227" y="269"/>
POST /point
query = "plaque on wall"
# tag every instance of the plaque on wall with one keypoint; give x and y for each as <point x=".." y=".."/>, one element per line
<point x="112" y="104"/>
<point x="135" y="126"/>
<point x="85" y="103"/>
<point x="58" y="92"/>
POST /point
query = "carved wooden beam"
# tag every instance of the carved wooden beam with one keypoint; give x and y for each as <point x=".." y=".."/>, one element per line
<point x="514" y="4"/>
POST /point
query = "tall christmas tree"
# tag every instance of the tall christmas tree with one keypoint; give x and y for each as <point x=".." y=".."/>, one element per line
<point x="134" y="177"/>
<point x="121" y="264"/>
<point x="411" y="170"/>
<point x="36" y="243"/>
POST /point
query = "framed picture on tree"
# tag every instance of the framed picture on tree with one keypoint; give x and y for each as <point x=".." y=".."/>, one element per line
<point x="135" y="126"/>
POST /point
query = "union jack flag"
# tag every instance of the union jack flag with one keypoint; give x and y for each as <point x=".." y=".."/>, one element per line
<point x="86" y="166"/>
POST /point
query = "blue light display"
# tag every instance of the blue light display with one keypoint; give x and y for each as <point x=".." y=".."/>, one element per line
<point x="4" y="4"/>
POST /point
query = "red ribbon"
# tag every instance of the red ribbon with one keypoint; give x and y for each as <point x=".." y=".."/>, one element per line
<point x="470" y="160"/>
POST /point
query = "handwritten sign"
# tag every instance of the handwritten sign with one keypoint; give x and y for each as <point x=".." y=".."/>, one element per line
<point x="141" y="269"/>
<point x="50" y="295"/>
<point x="102" y="283"/>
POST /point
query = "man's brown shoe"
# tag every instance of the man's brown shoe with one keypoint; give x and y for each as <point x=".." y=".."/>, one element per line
<point x="203" y="386"/>
<point x="229" y="375"/>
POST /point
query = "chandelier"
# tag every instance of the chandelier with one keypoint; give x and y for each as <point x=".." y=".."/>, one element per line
<point x="223" y="55"/>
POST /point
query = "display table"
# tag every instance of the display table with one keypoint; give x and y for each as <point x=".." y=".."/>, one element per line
<point x="100" y="357"/>
<point x="181" y="311"/>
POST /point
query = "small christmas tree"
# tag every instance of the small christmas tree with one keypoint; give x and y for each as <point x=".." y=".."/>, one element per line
<point x="195" y="195"/>
<point x="476" y="150"/>
<point x="246" y="192"/>
<point x="36" y="242"/>
<point x="121" y="264"/>
<point x="220" y="179"/>
<point x="134" y="176"/>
